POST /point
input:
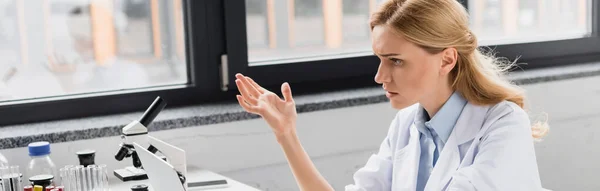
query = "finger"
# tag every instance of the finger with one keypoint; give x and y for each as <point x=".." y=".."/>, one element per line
<point x="251" y="89"/>
<point x="246" y="106"/>
<point x="286" y="90"/>
<point x="245" y="94"/>
<point x="258" y="87"/>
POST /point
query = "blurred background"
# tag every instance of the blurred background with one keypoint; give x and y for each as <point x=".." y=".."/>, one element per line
<point x="59" y="47"/>
<point x="307" y="28"/>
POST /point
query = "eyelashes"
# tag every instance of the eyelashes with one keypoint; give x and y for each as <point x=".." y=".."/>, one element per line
<point x="396" y="62"/>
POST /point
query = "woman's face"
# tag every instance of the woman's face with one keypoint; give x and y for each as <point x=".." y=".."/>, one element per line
<point x="407" y="72"/>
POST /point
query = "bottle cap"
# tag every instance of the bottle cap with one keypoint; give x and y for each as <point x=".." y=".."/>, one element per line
<point x="39" y="148"/>
<point x="42" y="180"/>
<point x="49" y="188"/>
<point x="28" y="188"/>
<point x="140" y="187"/>
<point x="86" y="157"/>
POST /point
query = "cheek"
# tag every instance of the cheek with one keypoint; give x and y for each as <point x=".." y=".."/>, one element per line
<point x="414" y="79"/>
<point x="429" y="71"/>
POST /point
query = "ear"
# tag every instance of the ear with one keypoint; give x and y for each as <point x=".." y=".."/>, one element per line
<point x="449" y="59"/>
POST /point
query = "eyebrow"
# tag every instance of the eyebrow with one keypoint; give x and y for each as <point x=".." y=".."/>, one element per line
<point x="390" y="54"/>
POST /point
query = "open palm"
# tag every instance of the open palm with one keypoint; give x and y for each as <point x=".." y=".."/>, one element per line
<point x="279" y="113"/>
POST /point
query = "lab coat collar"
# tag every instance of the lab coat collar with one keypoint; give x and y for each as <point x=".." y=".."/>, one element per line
<point x="466" y="128"/>
<point x="444" y="120"/>
<point x="469" y="125"/>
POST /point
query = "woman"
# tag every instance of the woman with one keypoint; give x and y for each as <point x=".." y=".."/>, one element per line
<point x="461" y="125"/>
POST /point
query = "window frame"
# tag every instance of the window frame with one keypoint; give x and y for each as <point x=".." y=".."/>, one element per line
<point x="197" y="28"/>
<point x="216" y="50"/>
<point x="296" y="72"/>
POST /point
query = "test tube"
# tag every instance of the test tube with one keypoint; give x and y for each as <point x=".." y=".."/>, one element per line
<point x="11" y="178"/>
<point x="2" y="179"/>
<point x="99" y="180"/>
<point x="69" y="180"/>
<point x="67" y="183"/>
<point x="65" y="179"/>
<point x="16" y="178"/>
<point x="78" y="179"/>
<point x="103" y="177"/>
<point x="82" y="177"/>
<point x="64" y="173"/>
<point x="74" y="178"/>
<point x="93" y="170"/>
<point x="89" y="184"/>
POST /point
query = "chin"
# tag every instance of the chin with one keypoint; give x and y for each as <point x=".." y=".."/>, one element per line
<point x="399" y="105"/>
<point x="400" y="102"/>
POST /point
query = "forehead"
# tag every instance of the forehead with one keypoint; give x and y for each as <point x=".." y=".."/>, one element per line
<point x="384" y="40"/>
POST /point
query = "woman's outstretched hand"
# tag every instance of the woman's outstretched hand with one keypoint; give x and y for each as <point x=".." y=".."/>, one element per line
<point x="279" y="113"/>
<point x="281" y="116"/>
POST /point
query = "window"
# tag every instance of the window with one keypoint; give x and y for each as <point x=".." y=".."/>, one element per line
<point x="10" y="46"/>
<point x="499" y="22"/>
<point x="77" y="58"/>
<point x="135" y="28"/>
<point x="316" y="40"/>
<point x="282" y="30"/>
<point x="540" y="33"/>
<point x="90" y="46"/>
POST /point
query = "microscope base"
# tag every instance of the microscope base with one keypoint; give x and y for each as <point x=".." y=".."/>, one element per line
<point x="130" y="173"/>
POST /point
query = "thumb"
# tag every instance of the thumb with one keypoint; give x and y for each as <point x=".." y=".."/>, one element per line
<point x="287" y="92"/>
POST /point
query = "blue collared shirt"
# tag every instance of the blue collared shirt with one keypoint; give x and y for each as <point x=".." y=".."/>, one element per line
<point x="434" y="133"/>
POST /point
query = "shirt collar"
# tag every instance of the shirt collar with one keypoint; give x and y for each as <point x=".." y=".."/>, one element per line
<point x="444" y="120"/>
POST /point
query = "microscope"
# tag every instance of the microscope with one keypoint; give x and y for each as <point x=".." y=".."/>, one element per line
<point x="137" y="132"/>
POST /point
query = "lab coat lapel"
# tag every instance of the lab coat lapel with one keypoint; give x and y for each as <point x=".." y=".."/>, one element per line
<point x="407" y="163"/>
<point x="466" y="128"/>
<point x="446" y="165"/>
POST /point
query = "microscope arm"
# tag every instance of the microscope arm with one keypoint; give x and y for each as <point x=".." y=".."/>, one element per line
<point x="175" y="155"/>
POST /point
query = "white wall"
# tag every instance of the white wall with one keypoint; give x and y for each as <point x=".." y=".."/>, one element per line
<point x="341" y="140"/>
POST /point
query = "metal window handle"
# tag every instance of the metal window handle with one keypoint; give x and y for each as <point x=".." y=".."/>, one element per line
<point x="224" y="72"/>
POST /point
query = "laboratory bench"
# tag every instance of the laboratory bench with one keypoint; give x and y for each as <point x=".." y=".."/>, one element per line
<point x="194" y="175"/>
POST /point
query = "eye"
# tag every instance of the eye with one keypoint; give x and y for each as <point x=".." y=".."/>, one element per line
<point x="396" y="61"/>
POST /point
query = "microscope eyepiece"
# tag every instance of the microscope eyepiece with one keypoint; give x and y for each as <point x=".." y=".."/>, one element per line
<point x="152" y="111"/>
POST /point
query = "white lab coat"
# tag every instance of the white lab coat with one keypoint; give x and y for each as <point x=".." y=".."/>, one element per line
<point x="490" y="148"/>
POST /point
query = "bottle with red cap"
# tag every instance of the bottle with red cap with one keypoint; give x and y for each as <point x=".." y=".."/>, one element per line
<point x="28" y="188"/>
<point x="49" y="188"/>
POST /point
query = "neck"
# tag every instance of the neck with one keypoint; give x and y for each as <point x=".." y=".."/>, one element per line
<point x="434" y="102"/>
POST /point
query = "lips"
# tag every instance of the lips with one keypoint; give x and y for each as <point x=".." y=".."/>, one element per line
<point x="390" y="94"/>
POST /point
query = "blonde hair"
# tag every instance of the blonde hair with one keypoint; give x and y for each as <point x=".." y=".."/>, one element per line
<point x="435" y="25"/>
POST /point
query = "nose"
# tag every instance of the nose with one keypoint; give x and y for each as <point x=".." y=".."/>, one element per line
<point x="383" y="74"/>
